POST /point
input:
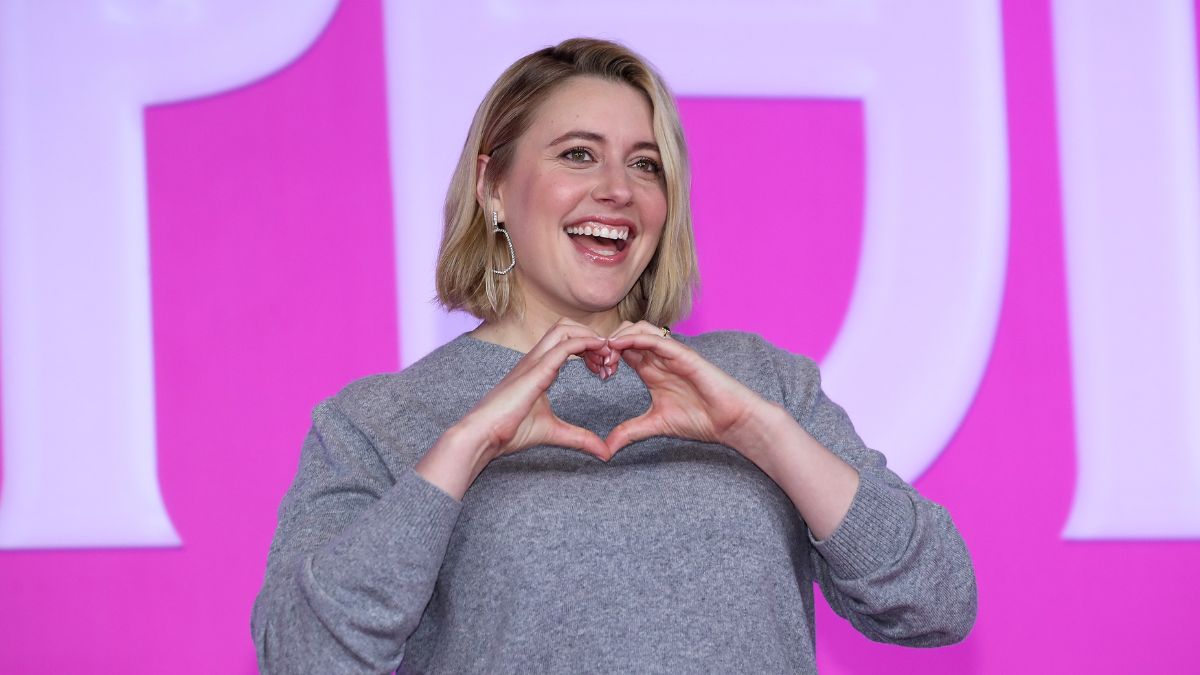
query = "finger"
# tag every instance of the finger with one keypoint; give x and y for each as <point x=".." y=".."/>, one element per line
<point x="611" y="356"/>
<point x="594" y="366"/>
<point x="615" y="354"/>
<point x="634" y="357"/>
<point x="628" y="328"/>
<point x="553" y="359"/>
<point x="609" y="371"/>
<point x="577" y="438"/>
<point x="647" y="354"/>
<point x="564" y="329"/>
<point x="605" y="354"/>
<point x="604" y="368"/>
<point x="599" y="365"/>
<point x="662" y="346"/>
<point x="631" y="431"/>
<point x="593" y="359"/>
<point x="605" y="358"/>
<point x="538" y="373"/>
<point x="635" y="328"/>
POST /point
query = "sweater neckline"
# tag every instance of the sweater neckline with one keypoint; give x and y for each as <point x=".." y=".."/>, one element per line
<point x="516" y="354"/>
<point x="468" y="339"/>
<point x="511" y="357"/>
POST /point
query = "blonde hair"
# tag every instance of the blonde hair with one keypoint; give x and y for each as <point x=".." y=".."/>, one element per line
<point x="470" y="251"/>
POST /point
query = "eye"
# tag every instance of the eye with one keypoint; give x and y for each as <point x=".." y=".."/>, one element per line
<point x="577" y="155"/>
<point x="648" y="165"/>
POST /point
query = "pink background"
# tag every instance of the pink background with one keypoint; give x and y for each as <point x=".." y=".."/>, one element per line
<point x="273" y="286"/>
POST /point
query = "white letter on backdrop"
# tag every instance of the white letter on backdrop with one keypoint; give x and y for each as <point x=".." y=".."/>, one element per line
<point x="927" y="298"/>
<point x="1127" y="117"/>
<point x="78" y="390"/>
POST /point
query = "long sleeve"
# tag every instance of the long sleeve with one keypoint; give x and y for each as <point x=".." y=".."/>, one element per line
<point x="676" y="556"/>
<point x="354" y="559"/>
<point x="896" y="567"/>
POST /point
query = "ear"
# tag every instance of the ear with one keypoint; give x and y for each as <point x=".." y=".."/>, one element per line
<point x="487" y="202"/>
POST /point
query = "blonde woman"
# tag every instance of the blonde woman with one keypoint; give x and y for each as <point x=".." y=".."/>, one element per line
<point x="569" y="487"/>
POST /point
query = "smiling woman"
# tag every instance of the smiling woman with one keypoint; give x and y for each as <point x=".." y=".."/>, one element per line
<point x="584" y="173"/>
<point x="553" y="119"/>
<point x="516" y="501"/>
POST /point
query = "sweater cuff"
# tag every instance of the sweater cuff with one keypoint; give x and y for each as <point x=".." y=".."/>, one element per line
<point x="875" y="531"/>
<point x="419" y="513"/>
<point x="413" y="520"/>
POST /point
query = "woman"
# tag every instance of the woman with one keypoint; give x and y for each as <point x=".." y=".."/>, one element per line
<point x="520" y="501"/>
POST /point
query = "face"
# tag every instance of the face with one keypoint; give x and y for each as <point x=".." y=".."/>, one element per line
<point x="585" y="200"/>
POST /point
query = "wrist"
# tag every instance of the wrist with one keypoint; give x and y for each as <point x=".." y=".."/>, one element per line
<point x="469" y="443"/>
<point x="760" y="430"/>
<point x="455" y="461"/>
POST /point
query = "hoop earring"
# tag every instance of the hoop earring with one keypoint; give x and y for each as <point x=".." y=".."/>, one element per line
<point x="508" y="238"/>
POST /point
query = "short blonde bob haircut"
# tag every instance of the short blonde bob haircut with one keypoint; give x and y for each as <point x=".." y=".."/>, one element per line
<point x="470" y="251"/>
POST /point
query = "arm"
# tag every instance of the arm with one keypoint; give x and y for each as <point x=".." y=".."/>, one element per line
<point x="888" y="560"/>
<point x="358" y="549"/>
<point x="896" y="566"/>
<point x="354" y="559"/>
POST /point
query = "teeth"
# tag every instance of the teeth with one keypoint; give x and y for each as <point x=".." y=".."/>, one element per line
<point x="590" y="230"/>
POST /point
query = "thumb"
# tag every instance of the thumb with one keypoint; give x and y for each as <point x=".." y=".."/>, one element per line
<point x="577" y="438"/>
<point x="630" y="431"/>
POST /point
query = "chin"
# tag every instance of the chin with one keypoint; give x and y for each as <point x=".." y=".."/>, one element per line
<point x="599" y="304"/>
<point x="599" y="307"/>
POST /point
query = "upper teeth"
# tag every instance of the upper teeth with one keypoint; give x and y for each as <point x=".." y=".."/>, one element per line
<point x="597" y="230"/>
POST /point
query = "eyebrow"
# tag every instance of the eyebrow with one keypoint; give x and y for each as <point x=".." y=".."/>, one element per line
<point x="599" y="138"/>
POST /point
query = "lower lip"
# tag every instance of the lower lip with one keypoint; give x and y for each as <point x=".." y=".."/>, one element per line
<point x="596" y="257"/>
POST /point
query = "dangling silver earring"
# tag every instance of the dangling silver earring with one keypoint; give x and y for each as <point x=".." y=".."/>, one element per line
<point x="511" y="251"/>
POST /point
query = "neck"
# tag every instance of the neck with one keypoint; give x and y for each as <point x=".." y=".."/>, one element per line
<point x="523" y="332"/>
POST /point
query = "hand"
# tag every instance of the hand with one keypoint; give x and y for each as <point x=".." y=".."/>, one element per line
<point x="516" y="414"/>
<point x="690" y="397"/>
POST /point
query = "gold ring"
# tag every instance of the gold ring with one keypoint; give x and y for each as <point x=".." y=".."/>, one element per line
<point x="666" y="331"/>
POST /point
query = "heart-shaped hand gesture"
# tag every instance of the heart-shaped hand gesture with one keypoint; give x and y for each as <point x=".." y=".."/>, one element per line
<point x="516" y="413"/>
<point x="690" y="397"/>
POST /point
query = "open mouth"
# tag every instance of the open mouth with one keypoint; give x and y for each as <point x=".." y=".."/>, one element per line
<point x="603" y="240"/>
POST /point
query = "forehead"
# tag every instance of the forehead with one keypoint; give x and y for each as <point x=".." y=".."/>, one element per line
<point x="616" y="110"/>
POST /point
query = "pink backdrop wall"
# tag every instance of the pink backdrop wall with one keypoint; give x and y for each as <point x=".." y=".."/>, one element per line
<point x="273" y="286"/>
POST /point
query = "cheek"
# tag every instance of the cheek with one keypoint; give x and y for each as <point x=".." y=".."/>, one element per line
<point x="552" y="198"/>
<point x="654" y="211"/>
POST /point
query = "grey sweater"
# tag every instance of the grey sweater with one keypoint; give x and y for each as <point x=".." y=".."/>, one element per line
<point x="674" y="557"/>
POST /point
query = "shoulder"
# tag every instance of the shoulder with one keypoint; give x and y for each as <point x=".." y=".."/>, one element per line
<point x="439" y="384"/>
<point x="780" y="375"/>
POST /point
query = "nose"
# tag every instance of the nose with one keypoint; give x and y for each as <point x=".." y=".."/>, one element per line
<point x="613" y="185"/>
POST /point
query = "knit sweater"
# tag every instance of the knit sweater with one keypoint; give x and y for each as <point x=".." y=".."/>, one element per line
<point x="675" y="556"/>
